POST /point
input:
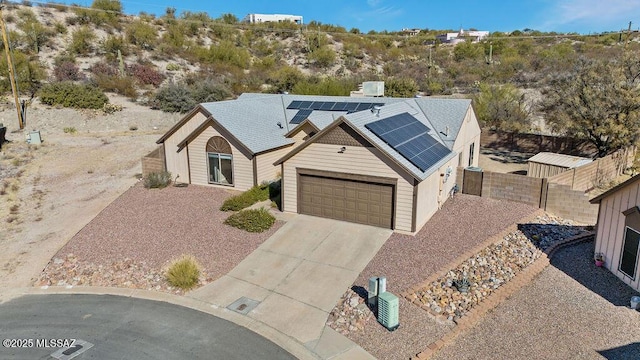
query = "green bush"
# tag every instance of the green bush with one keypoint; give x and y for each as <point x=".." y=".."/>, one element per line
<point x="184" y="273"/>
<point x="123" y="85"/>
<point x="173" y="98"/>
<point x="157" y="180"/>
<point x="247" y="198"/>
<point x="256" y="220"/>
<point x="72" y="95"/>
<point x="82" y="41"/>
<point x="142" y="34"/>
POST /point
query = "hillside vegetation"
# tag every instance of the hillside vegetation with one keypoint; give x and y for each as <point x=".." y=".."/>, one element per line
<point x="174" y="61"/>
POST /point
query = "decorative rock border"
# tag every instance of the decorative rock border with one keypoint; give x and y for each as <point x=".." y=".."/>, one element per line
<point x="502" y="293"/>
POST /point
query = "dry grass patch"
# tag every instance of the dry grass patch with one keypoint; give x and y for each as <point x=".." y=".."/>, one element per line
<point x="184" y="273"/>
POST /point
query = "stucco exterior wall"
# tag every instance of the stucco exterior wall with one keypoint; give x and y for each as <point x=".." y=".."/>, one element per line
<point x="469" y="133"/>
<point x="266" y="170"/>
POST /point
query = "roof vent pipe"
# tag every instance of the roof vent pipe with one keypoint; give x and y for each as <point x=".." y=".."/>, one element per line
<point x="376" y="110"/>
<point x="279" y="124"/>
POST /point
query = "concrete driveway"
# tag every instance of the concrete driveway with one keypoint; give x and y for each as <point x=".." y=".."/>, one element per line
<point x="295" y="278"/>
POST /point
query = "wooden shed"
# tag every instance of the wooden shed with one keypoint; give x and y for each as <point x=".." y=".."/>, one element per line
<point x="546" y="164"/>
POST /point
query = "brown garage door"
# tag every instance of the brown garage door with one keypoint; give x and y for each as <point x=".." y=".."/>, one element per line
<point x="348" y="200"/>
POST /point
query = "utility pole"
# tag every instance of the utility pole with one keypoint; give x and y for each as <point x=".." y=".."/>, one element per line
<point x="628" y="36"/>
<point x="12" y="78"/>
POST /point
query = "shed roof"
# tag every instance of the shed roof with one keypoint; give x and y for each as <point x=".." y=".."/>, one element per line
<point x="560" y="160"/>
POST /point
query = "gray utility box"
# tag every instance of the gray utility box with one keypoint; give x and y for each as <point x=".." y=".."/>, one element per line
<point x="388" y="309"/>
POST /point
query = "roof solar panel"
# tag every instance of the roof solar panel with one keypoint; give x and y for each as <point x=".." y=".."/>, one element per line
<point x="300" y="116"/>
<point x="305" y="105"/>
<point x="327" y="106"/>
<point x="410" y="138"/>
<point x="351" y="106"/>
<point x="294" y="105"/>
<point x="340" y="106"/>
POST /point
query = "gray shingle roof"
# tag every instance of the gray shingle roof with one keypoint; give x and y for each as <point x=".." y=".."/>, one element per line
<point x="253" y="118"/>
<point x="360" y="119"/>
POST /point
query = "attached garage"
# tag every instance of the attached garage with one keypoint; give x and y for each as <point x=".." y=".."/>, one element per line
<point x="361" y="200"/>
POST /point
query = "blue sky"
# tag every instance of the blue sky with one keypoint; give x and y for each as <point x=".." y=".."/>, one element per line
<point x="582" y="16"/>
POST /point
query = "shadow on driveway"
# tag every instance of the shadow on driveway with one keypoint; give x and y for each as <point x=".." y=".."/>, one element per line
<point x="626" y="352"/>
<point x="577" y="262"/>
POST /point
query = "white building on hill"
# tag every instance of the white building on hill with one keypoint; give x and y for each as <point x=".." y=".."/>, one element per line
<point x="261" y="18"/>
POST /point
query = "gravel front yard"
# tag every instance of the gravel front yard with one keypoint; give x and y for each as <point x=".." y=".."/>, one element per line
<point x="572" y="310"/>
<point x="463" y="223"/>
<point x="152" y="227"/>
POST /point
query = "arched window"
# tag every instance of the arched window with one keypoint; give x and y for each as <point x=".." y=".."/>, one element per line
<point x="220" y="161"/>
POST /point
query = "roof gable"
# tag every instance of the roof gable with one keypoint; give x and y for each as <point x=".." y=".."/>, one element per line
<point x="615" y="189"/>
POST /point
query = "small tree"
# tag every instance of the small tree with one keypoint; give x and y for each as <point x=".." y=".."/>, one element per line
<point x="502" y="107"/>
<point x="400" y="87"/>
<point x="82" y="41"/>
<point x="598" y="101"/>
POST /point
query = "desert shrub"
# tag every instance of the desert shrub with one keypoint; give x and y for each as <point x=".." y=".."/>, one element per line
<point x="184" y="273"/>
<point x="67" y="71"/>
<point x="82" y="41"/>
<point x="123" y="85"/>
<point x="112" y="44"/>
<point x="226" y="52"/>
<point x="173" y="97"/>
<point x="145" y="74"/>
<point x="247" y="198"/>
<point x="323" y="57"/>
<point x="59" y="28"/>
<point x="142" y="34"/>
<point x="157" y="180"/>
<point x="103" y="68"/>
<point x="72" y="95"/>
<point x="109" y="108"/>
<point x="173" y="67"/>
<point x="255" y="220"/>
<point x="209" y="90"/>
<point x="29" y="73"/>
<point x="69" y="130"/>
<point x="35" y="34"/>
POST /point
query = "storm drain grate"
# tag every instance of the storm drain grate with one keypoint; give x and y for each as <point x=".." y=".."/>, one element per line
<point x="243" y="305"/>
<point x="69" y="353"/>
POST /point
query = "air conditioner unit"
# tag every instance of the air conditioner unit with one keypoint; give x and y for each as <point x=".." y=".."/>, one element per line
<point x="388" y="308"/>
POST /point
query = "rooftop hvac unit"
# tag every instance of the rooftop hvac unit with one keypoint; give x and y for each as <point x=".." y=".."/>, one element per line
<point x="388" y="308"/>
<point x="373" y="88"/>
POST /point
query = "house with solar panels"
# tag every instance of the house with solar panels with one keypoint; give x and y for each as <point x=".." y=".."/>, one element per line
<point x="387" y="162"/>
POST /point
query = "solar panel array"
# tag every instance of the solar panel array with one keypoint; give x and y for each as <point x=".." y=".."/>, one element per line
<point x="332" y="105"/>
<point x="409" y="137"/>
<point x="300" y="116"/>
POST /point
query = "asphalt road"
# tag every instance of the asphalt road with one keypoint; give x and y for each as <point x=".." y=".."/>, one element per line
<point x="124" y="328"/>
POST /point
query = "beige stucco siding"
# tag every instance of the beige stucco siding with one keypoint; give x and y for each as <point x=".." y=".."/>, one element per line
<point x="611" y="229"/>
<point x="469" y="133"/>
<point x="266" y="170"/>
<point x="433" y="192"/>
<point x="355" y="160"/>
<point x="177" y="161"/>
<point x="242" y="165"/>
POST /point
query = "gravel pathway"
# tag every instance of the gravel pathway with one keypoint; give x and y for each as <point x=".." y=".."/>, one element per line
<point x="152" y="227"/>
<point x="459" y="226"/>
<point x="572" y="310"/>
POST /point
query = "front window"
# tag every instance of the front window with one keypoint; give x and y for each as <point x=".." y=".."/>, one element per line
<point x="220" y="161"/>
<point x="629" y="256"/>
<point x="471" y="150"/>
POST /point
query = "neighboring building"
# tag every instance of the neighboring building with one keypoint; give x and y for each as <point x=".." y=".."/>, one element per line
<point x="387" y="162"/>
<point x="618" y="230"/>
<point x="546" y="164"/>
<point x="461" y="36"/>
<point x="411" y="32"/>
<point x="261" y="18"/>
<point x="369" y="89"/>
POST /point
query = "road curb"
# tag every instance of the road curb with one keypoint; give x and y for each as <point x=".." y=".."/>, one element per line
<point x="284" y="341"/>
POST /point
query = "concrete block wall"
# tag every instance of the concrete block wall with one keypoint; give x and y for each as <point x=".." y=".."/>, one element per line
<point x="534" y="143"/>
<point x="570" y="204"/>
<point x="565" y="178"/>
<point x="512" y="187"/>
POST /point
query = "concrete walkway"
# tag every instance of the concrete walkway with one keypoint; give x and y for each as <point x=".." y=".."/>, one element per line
<point x="296" y="277"/>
